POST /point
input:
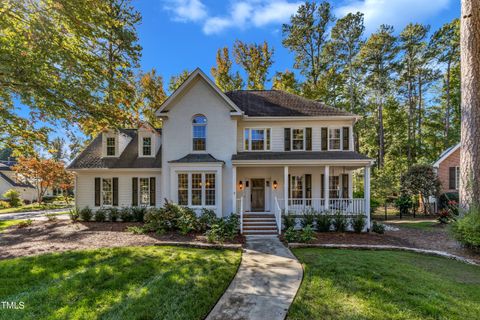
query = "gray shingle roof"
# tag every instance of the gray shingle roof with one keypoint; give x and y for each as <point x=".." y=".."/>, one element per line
<point x="196" y="157"/>
<point x="91" y="157"/>
<point x="276" y="103"/>
<point x="15" y="183"/>
<point x="300" y="155"/>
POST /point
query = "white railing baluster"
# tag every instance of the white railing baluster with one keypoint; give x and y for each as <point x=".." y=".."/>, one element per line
<point x="241" y="215"/>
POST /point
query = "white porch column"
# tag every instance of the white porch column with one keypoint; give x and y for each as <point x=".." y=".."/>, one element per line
<point x="285" y="188"/>
<point x="350" y="184"/>
<point x="234" y="189"/>
<point x="366" y="191"/>
<point x="326" y="186"/>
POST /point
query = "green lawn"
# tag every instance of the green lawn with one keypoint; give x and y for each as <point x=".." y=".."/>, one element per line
<point x="34" y="207"/>
<point x="424" y="225"/>
<point x="355" y="284"/>
<point x="121" y="283"/>
<point x="4" y="224"/>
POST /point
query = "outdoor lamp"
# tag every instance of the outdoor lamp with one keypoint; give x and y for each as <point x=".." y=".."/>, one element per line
<point x="240" y="185"/>
<point x="275" y="184"/>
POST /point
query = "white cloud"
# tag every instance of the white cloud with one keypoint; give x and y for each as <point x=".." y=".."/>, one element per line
<point x="242" y="14"/>
<point x="393" y="12"/>
<point x="187" y="10"/>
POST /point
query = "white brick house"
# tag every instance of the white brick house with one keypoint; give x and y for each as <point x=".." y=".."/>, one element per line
<point x="241" y="151"/>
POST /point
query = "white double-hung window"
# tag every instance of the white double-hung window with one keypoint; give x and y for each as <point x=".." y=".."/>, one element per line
<point x="298" y="139"/>
<point x="256" y="139"/>
<point x="334" y="139"/>
<point x="107" y="191"/>
<point x="196" y="189"/>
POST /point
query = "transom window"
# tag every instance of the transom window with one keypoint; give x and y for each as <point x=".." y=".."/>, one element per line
<point x="334" y="138"/>
<point x="147" y="146"/>
<point x="110" y="146"/>
<point x="257" y="139"/>
<point x="144" y="191"/>
<point x="196" y="189"/>
<point x="298" y="139"/>
<point x="107" y="192"/>
<point x="199" y="127"/>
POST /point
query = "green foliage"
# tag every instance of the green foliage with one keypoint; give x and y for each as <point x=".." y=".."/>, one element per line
<point x="13" y="197"/>
<point x="291" y="235"/>
<point x="339" y="222"/>
<point x="467" y="229"/>
<point x="138" y="213"/>
<point x="51" y="217"/>
<point x="136" y="229"/>
<point x="308" y="218"/>
<point x="404" y="203"/>
<point x="378" y="227"/>
<point x="112" y="214"/>
<point x="255" y="59"/>
<point x="100" y="215"/>
<point x="126" y="214"/>
<point x="206" y="220"/>
<point x="307" y="234"/>
<point x="86" y="214"/>
<point x="24" y="223"/>
<point x="323" y="222"/>
<point x="74" y="214"/>
<point x="224" y="229"/>
<point x="423" y="180"/>
<point x="285" y="81"/>
<point x="177" y="80"/>
<point x="225" y="79"/>
<point x="358" y="223"/>
<point x="289" y="221"/>
<point x="187" y="221"/>
<point x="447" y="199"/>
<point x="4" y="204"/>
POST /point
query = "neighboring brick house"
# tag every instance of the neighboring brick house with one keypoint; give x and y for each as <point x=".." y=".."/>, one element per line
<point x="448" y="169"/>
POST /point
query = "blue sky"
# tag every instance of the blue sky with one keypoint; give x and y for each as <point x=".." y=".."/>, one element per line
<point x="185" y="34"/>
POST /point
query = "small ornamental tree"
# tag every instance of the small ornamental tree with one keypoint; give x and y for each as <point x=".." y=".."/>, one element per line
<point x="421" y="180"/>
<point x="41" y="173"/>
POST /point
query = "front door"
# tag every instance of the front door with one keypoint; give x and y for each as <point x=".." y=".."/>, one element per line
<point x="258" y="194"/>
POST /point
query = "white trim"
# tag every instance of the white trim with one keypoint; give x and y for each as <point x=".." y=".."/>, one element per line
<point x="341" y="138"/>
<point x="250" y="139"/>
<point x="332" y="162"/>
<point x="446" y="155"/>
<point x="140" y="145"/>
<point x="86" y="170"/>
<point x="301" y="118"/>
<point x="198" y="125"/>
<point x="185" y="84"/>
<point x="304" y="138"/>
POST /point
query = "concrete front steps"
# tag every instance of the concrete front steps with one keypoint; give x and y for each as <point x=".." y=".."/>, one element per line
<point x="259" y="223"/>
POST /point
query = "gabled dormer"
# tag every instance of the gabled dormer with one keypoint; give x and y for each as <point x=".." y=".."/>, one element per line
<point x="114" y="143"/>
<point x="149" y="140"/>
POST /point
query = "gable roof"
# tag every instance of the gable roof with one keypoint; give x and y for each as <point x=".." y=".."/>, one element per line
<point x="445" y="154"/>
<point x="197" y="158"/>
<point x="196" y="73"/>
<point x="276" y="103"/>
<point x="91" y="156"/>
<point x="14" y="183"/>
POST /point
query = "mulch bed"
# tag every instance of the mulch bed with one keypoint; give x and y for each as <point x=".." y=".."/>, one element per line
<point x="58" y="236"/>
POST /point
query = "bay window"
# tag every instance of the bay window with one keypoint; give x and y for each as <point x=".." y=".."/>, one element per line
<point x="196" y="189"/>
<point x="257" y="139"/>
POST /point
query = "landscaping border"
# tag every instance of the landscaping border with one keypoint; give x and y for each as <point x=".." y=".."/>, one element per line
<point x="385" y="247"/>
<point x="200" y="245"/>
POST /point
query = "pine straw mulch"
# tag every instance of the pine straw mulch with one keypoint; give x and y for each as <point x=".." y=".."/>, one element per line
<point x="63" y="235"/>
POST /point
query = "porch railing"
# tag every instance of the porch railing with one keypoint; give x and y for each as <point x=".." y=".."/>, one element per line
<point x="345" y="205"/>
<point x="241" y="214"/>
<point x="278" y="216"/>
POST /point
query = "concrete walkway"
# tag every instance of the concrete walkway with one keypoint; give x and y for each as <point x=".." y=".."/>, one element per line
<point x="265" y="284"/>
<point x="34" y="215"/>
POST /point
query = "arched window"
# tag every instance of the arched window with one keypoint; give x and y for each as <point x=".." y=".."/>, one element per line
<point x="199" y="127"/>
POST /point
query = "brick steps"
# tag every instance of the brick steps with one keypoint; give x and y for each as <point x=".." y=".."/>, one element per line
<point x="259" y="224"/>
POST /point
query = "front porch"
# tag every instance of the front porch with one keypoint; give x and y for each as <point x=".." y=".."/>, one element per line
<point x="295" y="190"/>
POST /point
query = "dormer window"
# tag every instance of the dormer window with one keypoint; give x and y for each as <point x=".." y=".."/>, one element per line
<point x="110" y="141"/>
<point x="199" y="131"/>
<point x="147" y="146"/>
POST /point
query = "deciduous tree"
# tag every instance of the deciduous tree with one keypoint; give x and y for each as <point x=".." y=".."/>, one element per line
<point x="225" y="78"/>
<point x="286" y="81"/>
<point x="255" y="59"/>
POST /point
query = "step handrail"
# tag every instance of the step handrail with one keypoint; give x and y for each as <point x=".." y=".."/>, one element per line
<point x="241" y="215"/>
<point x="278" y="216"/>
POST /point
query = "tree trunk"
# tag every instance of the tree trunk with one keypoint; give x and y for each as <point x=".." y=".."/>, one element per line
<point x="381" y="136"/>
<point x="420" y="110"/>
<point x="470" y="77"/>
<point x="447" y="111"/>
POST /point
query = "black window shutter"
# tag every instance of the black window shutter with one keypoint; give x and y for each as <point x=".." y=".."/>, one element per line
<point x="322" y="181"/>
<point x="308" y="139"/>
<point x="115" y="192"/>
<point x="287" y="139"/>
<point x="134" y="191"/>
<point x="324" y="139"/>
<point x="97" y="192"/>
<point x="451" y="178"/>
<point x="308" y="186"/>
<point x="344" y="185"/>
<point x="346" y="138"/>
<point x="152" y="191"/>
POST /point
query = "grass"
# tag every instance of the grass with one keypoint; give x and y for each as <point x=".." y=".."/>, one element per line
<point x="34" y="207"/>
<point x="119" y="283"/>
<point x="4" y="224"/>
<point x="355" y="284"/>
<point x="423" y="225"/>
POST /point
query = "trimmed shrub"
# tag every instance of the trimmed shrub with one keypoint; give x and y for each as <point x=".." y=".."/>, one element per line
<point x="323" y="222"/>
<point x="13" y="197"/>
<point x="404" y="204"/>
<point x="291" y="235"/>
<point x="445" y="200"/>
<point x="136" y="230"/>
<point x="126" y="214"/>
<point x="74" y="214"/>
<point x="86" y="214"/>
<point x="289" y="221"/>
<point x="467" y="229"/>
<point x="138" y="213"/>
<point x="307" y="234"/>
<point x="4" y="205"/>
<point x="155" y="220"/>
<point x="223" y="229"/>
<point x="206" y="220"/>
<point x="308" y="218"/>
<point x="187" y="220"/>
<point x="339" y="222"/>
<point x="378" y="228"/>
<point x="100" y="215"/>
<point x="112" y="214"/>
<point x="358" y="223"/>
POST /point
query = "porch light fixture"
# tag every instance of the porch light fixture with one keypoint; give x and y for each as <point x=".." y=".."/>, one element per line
<point x="240" y="185"/>
<point x="275" y="184"/>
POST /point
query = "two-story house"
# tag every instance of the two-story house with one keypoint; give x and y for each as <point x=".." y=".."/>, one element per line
<point x="245" y="151"/>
